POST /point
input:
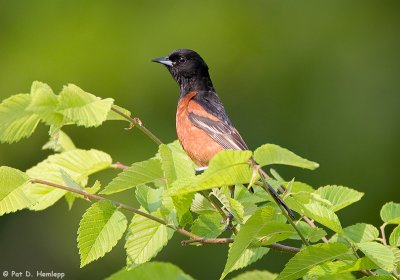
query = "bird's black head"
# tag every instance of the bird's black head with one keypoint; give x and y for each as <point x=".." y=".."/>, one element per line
<point x="188" y="69"/>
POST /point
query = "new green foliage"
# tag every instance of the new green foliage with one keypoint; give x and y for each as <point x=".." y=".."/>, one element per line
<point x="100" y="228"/>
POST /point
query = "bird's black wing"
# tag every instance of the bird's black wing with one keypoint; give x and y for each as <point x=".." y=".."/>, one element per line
<point x="221" y="132"/>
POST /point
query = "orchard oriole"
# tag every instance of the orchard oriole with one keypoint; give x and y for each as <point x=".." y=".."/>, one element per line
<point x="202" y="125"/>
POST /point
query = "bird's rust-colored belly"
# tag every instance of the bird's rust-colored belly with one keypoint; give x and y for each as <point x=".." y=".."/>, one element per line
<point x="198" y="145"/>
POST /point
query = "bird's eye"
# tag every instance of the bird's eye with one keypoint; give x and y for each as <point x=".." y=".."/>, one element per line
<point x="182" y="59"/>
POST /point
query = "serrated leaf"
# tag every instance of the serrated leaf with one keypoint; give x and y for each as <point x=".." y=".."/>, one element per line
<point x="12" y="196"/>
<point x="339" y="196"/>
<point x="145" y="239"/>
<point x="208" y="225"/>
<point x="44" y="103"/>
<point x="249" y="256"/>
<point x="273" y="232"/>
<point x="273" y="154"/>
<point x="100" y="228"/>
<point x="137" y="174"/>
<point x="201" y="205"/>
<point x="246" y="235"/>
<point x="390" y="213"/>
<point x="298" y="187"/>
<point x="16" y="122"/>
<point x="361" y="232"/>
<point x="310" y="257"/>
<point x="317" y="212"/>
<point x="149" y="198"/>
<point x="82" y="107"/>
<point x="228" y="204"/>
<point x="59" y="142"/>
<point x="381" y="255"/>
<point x="79" y="164"/>
<point x="394" y="238"/>
<point x="256" y="275"/>
<point x="227" y="168"/>
<point x="338" y="266"/>
<point x="151" y="271"/>
<point x="310" y="233"/>
<point x="175" y="165"/>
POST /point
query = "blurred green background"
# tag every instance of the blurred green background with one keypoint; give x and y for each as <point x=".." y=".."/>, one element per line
<point x="321" y="78"/>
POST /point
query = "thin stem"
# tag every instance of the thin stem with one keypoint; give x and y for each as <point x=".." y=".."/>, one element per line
<point x="311" y="224"/>
<point x="138" y="123"/>
<point x="275" y="246"/>
<point x="220" y="210"/>
<point x="283" y="210"/>
<point x="382" y="228"/>
<point x="119" y="165"/>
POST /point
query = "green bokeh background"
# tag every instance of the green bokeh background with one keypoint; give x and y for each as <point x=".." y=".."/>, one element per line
<point x="321" y="78"/>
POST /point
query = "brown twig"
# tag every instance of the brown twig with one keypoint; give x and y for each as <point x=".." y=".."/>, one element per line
<point x="382" y="228"/>
<point x="194" y="237"/>
<point x="274" y="246"/>
<point x="138" y="123"/>
<point x="119" y="165"/>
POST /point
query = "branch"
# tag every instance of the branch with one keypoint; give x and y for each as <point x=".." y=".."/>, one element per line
<point x="382" y="228"/>
<point x="196" y="238"/>
<point x="138" y="123"/>
<point x="274" y="246"/>
<point x="263" y="175"/>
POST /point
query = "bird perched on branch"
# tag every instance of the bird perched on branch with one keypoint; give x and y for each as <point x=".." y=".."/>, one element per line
<point x="202" y="125"/>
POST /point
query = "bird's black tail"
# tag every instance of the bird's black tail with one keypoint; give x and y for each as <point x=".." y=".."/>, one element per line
<point x="276" y="196"/>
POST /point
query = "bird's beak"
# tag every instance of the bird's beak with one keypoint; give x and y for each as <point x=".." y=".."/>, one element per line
<point x="163" y="60"/>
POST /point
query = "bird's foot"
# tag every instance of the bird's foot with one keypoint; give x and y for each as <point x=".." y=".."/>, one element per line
<point x="228" y="222"/>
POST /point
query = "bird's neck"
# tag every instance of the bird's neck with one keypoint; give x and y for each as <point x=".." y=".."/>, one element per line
<point x="196" y="83"/>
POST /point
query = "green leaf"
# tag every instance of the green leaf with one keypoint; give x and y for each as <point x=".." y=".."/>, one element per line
<point x="151" y="271"/>
<point x="319" y="213"/>
<point x="256" y="275"/>
<point x="273" y="232"/>
<point x="227" y="168"/>
<point x="231" y="205"/>
<point x="309" y="233"/>
<point x="100" y="228"/>
<point x="78" y="164"/>
<point x="16" y="122"/>
<point x="175" y="165"/>
<point x="137" y="174"/>
<point x="310" y="257"/>
<point x="149" y="198"/>
<point x="246" y="235"/>
<point x="12" y="196"/>
<point x="361" y="232"/>
<point x="273" y="154"/>
<point x="44" y="103"/>
<point x="145" y="239"/>
<point x="201" y="205"/>
<point x="339" y="196"/>
<point x="379" y="277"/>
<point x="337" y="267"/>
<point x="82" y="107"/>
<point x="59" y="142"/>
<point x="249" y="256"/>
<point x="394" y="238"/>
<point x="113" y="116"/>
<point x="208" y="225"/>
<point x="381" y="255"/>
<point x="390" y="213"/>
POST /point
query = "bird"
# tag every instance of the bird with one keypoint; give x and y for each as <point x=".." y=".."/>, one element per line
<point x="202" y="124"/>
